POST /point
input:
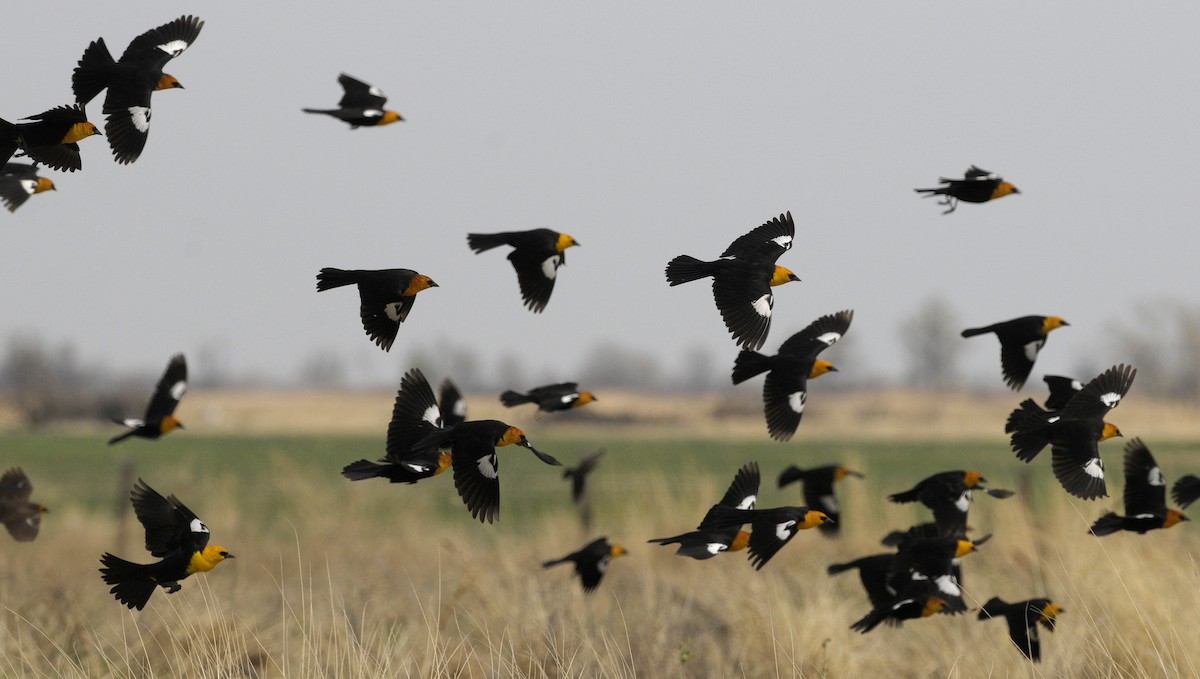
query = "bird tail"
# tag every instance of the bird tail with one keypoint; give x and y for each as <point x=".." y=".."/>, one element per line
<point x="906" y="496"/>
<point x="362" y="470"/>
<point x="994" y="608"/>
<point x="122" y="436"/>
<point x="330" y="278"/>
<point x="1106" y="525"/>
<point x="931" y="192"/>
<point x="871" y="620"/>
<point x="555" y="562"/>
<point x="511" y="398"/>
<point x="835" y="568"/>
<point x="685" y="269"/>
<point x="481" y="242"/>
<point x="92" y="74"/>
<point x="971" y="332"/>
<point x="329" y="111"/>
<point x="131" y="585"/>
<point x="790" y="474"/>
<point x="1029" y="426"/>
<point x="748" y="363"/>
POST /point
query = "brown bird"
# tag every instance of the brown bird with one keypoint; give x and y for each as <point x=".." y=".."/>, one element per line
<point x="21" y="517"/>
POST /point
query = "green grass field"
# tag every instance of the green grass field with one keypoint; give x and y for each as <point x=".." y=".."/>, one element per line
<point x="368" y="579"/>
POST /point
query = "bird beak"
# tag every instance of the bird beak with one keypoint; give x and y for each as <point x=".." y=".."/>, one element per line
<point x="548" y="459"/>
<point x="859" y="475"/>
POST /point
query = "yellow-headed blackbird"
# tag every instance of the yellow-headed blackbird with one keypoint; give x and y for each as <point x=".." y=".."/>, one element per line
<point x="21" y="517"/>
<point x="708" y="541"/>
<point x="360" y="106"/>
<point x="948" y="495"/>
<point x="131" y="80"/>
<point x="51" y="139"/>
<point x="743" y="278"/>
<point x="1061" y="391"/>
<point x="173" y="534"/>
<point x="1074" y="432"/>
<point x="591" y="562"/>
<point x="452" y="404"/>
<point x="1145" y="496"/>
<point x="1023" y="618"/>
<point x="472" y="447"/>
<point x="785" y="390"/>
<point x="976" y="186"/>
<point x="1020" y="341"/>
<point x="918" y="600"/>
<point x="873" y="571"/>
<point x="580" y="472"/>
<point x="19" y="181"/>
<point x="385" y="297"/>
<point x="536" y="256"/>
<point x="1186" y="490"/>
<point x="770" y="529"/>
<point x="159" y="418"/>
<point x="933" y="560"/>
<point x="415" y="415"/>
<point x="817" y="484"/>
<point x="551" y="397"/>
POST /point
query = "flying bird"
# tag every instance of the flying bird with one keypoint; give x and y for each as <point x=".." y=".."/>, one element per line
<point x="51" y="138"/>
<point x="19" y="181"/>
<point x="785" y="389"/>
<point x="131" y="80"/>
<point x="1186" y="490"/>
<point x="743" y="278"/>
<point x="817" y="484"/>
<point x="707" y="541"/>
<point x="1020" y="341"/>
<point x="21" y="517"/>
<point x="1074" y="432"/>
<point x="452" y="404"/>
<point x="976" y="186"/>
<point x="591" y="562"/>
<point x="159" y="418"/>
<point x="770" y="529"/>
<point x="1061" y="391"/>
<point x="175" y="535"/>
<point x="361" y="105"/>
<point x="919" y="600"/>
<point x="550" y="398"/>
<point x="948" y="495"/>
<point x="1023" y="618"/>
<point x="1145" y="496"/>
<point x="580" y="472"/>
<point x="386" y="297"/>
<point x="536" y="257"/>
<point x="415" y="415"/>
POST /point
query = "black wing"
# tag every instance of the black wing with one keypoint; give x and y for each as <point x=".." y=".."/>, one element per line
<point x="359" y="94"/>
<point x="159" y="45"/>
<point x="769" y="240"/>
<point x="820" y="334"/>
<point x="170" y="390"/>
<point x="745" y="301"/>
<point x="1186" y="490"/>
<point x="536" y="271"/>
<point x="452" y="404"/>
<point x="1101" y="394"/>
<point x="1145" y="487"/>
<point x="415" y="415"/>
<point x="170" y="525"/>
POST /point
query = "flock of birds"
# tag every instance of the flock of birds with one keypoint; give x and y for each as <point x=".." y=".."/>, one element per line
<point x="428" y="435"/>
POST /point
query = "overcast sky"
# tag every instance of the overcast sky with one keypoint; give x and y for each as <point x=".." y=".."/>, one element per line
<point x="645" y="130"/>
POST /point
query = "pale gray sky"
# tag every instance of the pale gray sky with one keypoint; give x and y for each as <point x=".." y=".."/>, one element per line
<point x="645" y="130"/>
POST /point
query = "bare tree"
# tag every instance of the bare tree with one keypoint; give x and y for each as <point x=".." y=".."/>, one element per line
<point x="933" y="344"/>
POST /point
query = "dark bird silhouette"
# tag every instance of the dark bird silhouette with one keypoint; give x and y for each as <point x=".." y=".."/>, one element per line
<point x="1145" y="496"/>
<point x="536" y="257"/>
<point x="361" y="105"/>
<point x="50" y="138"/>
<point x="20" y="517"/>
<point x="19" y="181"/>
<point x="415" y="415"/>
<point x="976" y="186"/>
<point x="1020" y="341"/>
<point x="817" y="484"/>
<point x="386" y="296"/>
<point x="591" y="562"/>
<point x="1023" y="618"/>
<point x="707" y="541"/>
<point x="550" y="398"/>
<point x="159" y="418"/>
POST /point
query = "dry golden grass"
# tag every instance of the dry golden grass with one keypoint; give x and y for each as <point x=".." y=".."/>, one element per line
<point x="334" y="579"/>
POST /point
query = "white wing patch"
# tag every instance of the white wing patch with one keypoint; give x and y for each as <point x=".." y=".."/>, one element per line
<point x="198" y="526"/>
<point x="716" y="547"/>
<point x="569" y="398"/>
<point x="174" y="48"/>
<point x="140" y="117"/>
<point x="431" y="415"/>
<point x="947" y="584"/>
<point x="829" y="338"/>
<point x="1155" y="477"/>
<point x="829" y="502"/>
<point x="550" y="266"/>
<point x="763" y="305"/>
<point x="783" y="241"/>
<point x="419" y="468"/>
<point x="133" y="423"/>
<point x="1032" y="349"/>
<point x="602" y="564"/>
<point x="178" y="390"/>
<point x="1110" y="399"/>
<point x="963" y="503"/>
<point x="28" y="185"/>
<point x="784" y="531"/>
<point x="392" y="309"/>
<point x="460" y="408"/>
<point x="372" y="113"/>
<point x="748" y="502"/>
<point x="1094" y="468"/>
<point x="1054" y="419"/>
<point x="487" y="466"/>
<point x="796" y="401"/>
<point x="376" y="92"/>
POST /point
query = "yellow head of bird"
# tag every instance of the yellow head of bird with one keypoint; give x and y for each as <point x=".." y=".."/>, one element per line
<point x="1003" y="189"/>
<point x="973" y="478"/>
<point x="1051" y="611"/>
<point x="79" y="131"/>
<point x="585" y="397"/>
<point x="842" y="472"/>
<point x="564" y="242"/>
<point x="933" y="604"/>
<point x="1051" y="323"/>
<point x="964" y="548"/>
<point x="43" y="184"/>
<point x="168" y="82"/>
<point x="208" y="558"/>
<point x="782" y="275"/>
<point x="1173" y="517"/>
<point x="389" y="117"/>
<point x="813" y="518"/>
<point x="418" y="283"/>
<point x="1110" y="430"/>
<point x="740" y="541"/>
<point x="820" y="367"/>
<point x="169" y="423"/>
<point x="512" y="435"/>
<point x="617" y="550"/>
<point x="445" y="461"/>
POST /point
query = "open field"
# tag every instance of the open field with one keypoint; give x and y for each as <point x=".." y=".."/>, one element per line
<point x="369" y="579"/>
